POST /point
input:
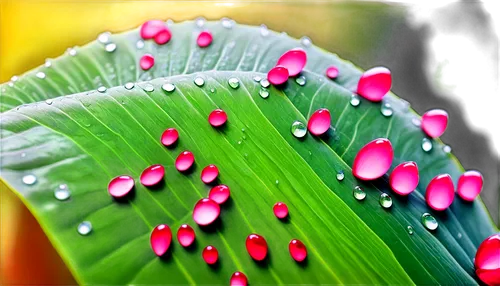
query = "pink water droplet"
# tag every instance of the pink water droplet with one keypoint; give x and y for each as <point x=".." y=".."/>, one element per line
<point x="152" y="175"/>
<point x="209" y="174"/>
<point x="217" y="118"/>
<point x="487" y="261"/>
<point x="440" y="192"/>
<point x="280" y="210"/>
<point x="375" y="83"/>
<point x="184" y="161"/>
<point x="206" y="211"/>
<point x="332" y="72"/>
<point x="404" y="178"/>
<point x="151" y="28"/>
<point x="160" y="239"/>
<point x="169" y="137"/>
<point x="210" y="254"/>
<point x="147" y="61"/>
<point x="319" y="122"/>
<point x="256" y="246"/>
<point x="298" y="250"/>
<point x="120" y="186"/>
<point x="163" y="36"/>
<point x="373" y="160"/>
<point x="293" y="60"/>
<point x="277" y="75"/>
<point x="219" y="194"/>
<point x="204" y="39"/>
<point x="238" y="279"/>
<point x="185" y="235"/>
<point x="434" y="122"/>
<point x="470" y="185"/>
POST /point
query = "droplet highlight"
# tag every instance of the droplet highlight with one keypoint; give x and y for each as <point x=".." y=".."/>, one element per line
<point x="62" y="192"/>
<point x="219" y="194"/>
<point x="111" y="47"/>
<point x="470" y="185"/>
<point x="410" y="230"/>
<point x="199" y="81"/>
<point x="385" y="200"/>
<point x="358" y="193"/>
<point x="386" y="110"/>
<point x="375" y="83"/>
<point x="120" y="186"/>
<point x="429" y="222"/>
<point x="426" y="145"/>
<point x="206" y="211"/>
<point x="298" y="129"/>
<point x="129" y="85"/>
<point x="319" y="122"/>
<point x="373" y="160"/>
<point x="256" y="246"/>
<point x="264" y="93"/>
<point x="84" y="228"/>
<point x="298" y="250"/>
<point x="168" y="87"/>
<point x="355" y="101"/>
<point x="29" y="179"/>
<point x="340" y="175"/>
<point x="233" y="82"/>
<point x="301" y="80"/>
<point x="152" y="175"/>
<point x="440" y="192"/>
<point x="160" y="239"/>
<point x="404" y="178"/>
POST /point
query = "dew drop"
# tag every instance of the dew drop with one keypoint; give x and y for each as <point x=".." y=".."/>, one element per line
<point x="84" y="228"/>
<point x="72" y="52"/>
<point x="48" y="63"/>
<point x="149" y="87"/>
<point x="206" y="211"/>
<point x="199" y="81"/>
<point x="102" y="89"/>
<point x="238" y="279"/>
<point x="139" y="44"/>
<point x="340" y="175"/>
<point x="14" y="78"/>
<point x="298" y="250"/>
<point x="305" y="41"/>
<point x="280" y="210"/>
<point x="111" y="47"/>
<point x="129" y="85"/>
<point x="277" y="182"/>
<point x="298" y="129"/>
<point x="429" y="221"/>
<point x="256" y="246"/>
<point x="265" y="83"/>
<point x="375" y="83"/>
<point x="264" y="31"/>
<point x="210" y="254"/>
<point x="410" y="230"/>
<point x="355" y="101"/>
<point x="446" y="149"/>
<point x="219" y="194"/>
<point x="168" y="87"/>
<point x="373" y="160"/>
<point x="294" y="61"/>
<point x="487" y="260"/>
<point x="301" y="80"/>
<point x="184" y="161"/>
<point x="204" y="39"/>
<point x="264" y="93"/>
<point x="209" y="174"/>
<point x="358" y="193"/>
<point x="233" y="82"/>
<point x="152" y="175"/>
<point x="29" y="179"/>
<point x="62" y="192"/>
<point x="212" y="90"/>
<point x="217" y="118"/>
<point x="470" y="185"/>
<point x="227" y="23"/>
<point x="416" y="121"/>
<point x="385" y="200"/>
<point x="386" y="110"/>
<point x="426" y="145"/>
<point x="147" y="61"/>
<point x="257" y="78"/>
<point x="404" y="178"/>
<point x="169" y="136"/>
<point x="332" y="72"/>
<point x="319" y="122"/>
<point x="120" y="186"/>
<point x="440" y="192"/>
<point x="40" y="75"/>
<point x="185" y="235"/>
<point x="200" y="22"/>
<point x="160" y="239"/>
<point x="48" y="101"/>
<point x="104" y="38"/>
<point x="277" y="75"/>
<point x="434" y="122"/>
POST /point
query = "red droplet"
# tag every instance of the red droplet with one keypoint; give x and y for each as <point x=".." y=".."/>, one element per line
<point x="209" y="174"/>
<point x="319" y="122"/>
<point x="151" y="28"/>
<point x="152" y="175"/>
<point x="163" y="36"/>
<point x="487" y="261"/>
<point x="146" y="62"/>
<point x="256" y="246"/>
<point x="298" y="250"/>
<point x="440" y="192"/>
<point x="277" y="75"/>
<point x="120" y="186"/>
<point x="280" y="210"/>
<point x="169" y="136"/>
<point x="238" y="279"/>
<point x="293" y="60"/>
<point x="434" y="122"/>
<point x="185" y="235"/>
<point x="204" y="39"/>
<point x="184" y="161"/>
<point x="206" y="211"/>
<point x="210" y="254"/>
<point x="219" y="194"/>
<point x="160" y="239"/>
<point x="375" y="83"/>
<point x="470" y="185"/>
<point x="404" y="178"/>
<point x="332" y="72"/>
<point x="217" y="118"/>
<point x="373" y="160"/>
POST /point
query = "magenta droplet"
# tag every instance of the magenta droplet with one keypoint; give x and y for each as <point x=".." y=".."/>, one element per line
<point x="146" y="62"/>
<point x="487" y="261"/>
<point x="440" y="192"/>
<point x="293" y="60"/>
<point x="204" y="39"/>
<point x="219" y="194"/>
<point x="206" y="211"/>
<point x="404" y="178"/>
<point x="238" y="279"/>
<point x="185" y="235"/>
<point x="152" y="175"/>
<point x="319" y="122"/>
<point x="184" y="161"/>
<point x="209" y="174"/>
<point x="120" y="186"/>
<point x="256" y="246"/>
<point x="298" y="250"/>
<point x="375" y="83"/>
<point x="373" y="160"/>
<point x="169" y="137"/>
<point x="151" y="28"/>
<point x="280" y="210"/>
<point x="160" y="239"/>
<point x="470" y="185"/>
<point x="163" y="36"/>
<point x="217" y="118"/>
<point x="210" y="254"/>
<point x="332" y="72"/>
<point x="277" y="75"/>
<point x="434" y="122"/>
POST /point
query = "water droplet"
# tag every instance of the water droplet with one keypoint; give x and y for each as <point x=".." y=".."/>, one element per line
<point x="227" y="23"/>
<point x="429" y="221"/>
<point x="111" y="47"/>
<point x="332" y="72"/>
<point x="470" y="185"/>
<point x="160" y="239"/>
<point x="139" y="44"/>
<point x="386" y="110"/>
<point x="440" y="192"/>
<point x="23" y="155"/>
<point x="152" y="175"/>
<point x="209" y="174"/>
<point x="29" y="179"/>
<point x="293" y="60"/>
<point x="238" y="279"/>
<point x="277" y="76"/>
<point x="185" y="235"/>
<point x="301" y="80"/>
<point x="298" y="129"/>
<point x="168" y="87"/>
<point x="210" y="254"/>
<point x="169" y="136"/>
<point x="217" y="118"/>
<point x="280" y="210"/>
<point x="84" y="228"/>
<point x="147" y="61"/>
<point x="264" y="93"/>
<point x="129" y="85"/>
<point x="426" y="145"/>
<point x="257" y="78"/>
<point x="212" y="90"/>
<point x="72" y="52"/>
<point x="298" y="250"/>
<point x="48" y="101"/>
<point x="200" y="22"/>
<point x="409" y="229"/>
<point x="264" y="31"/>
<point x="40" y="75"/>
<point x="11" y="84"/>
<point x="459" y="235"/>
<point x="375" y="83"/>
<point x="404" y="178"/>
<point x="163" y="36"/>
<point x="487" y="260"/>
<point x="199" y="81"/>
<point x="256" y="246"/>
<point x="62" y="192"/>
<point x="319" y="122"/>
<point x="219" y="194"/>
<point x="120" y="186"/>
<point x="277" y="182"/>
<point x="204" y="39"/>
<point x="233" y="82"/>
<point x="355" y="101"/>
<point x="48" y="63"/>
<point x="14" y="78"/>
<point x="206" y="211"/>
<point x="102" y="89"/>
<point x="149" y="87"/>
<point x="151" y="28"/>
<point x="265" y="83"/>
<point x="434" y="122"/>
<point x="305" y="41"/>
<point x="373" y="160"/>
<point x="184" y="161"/>
<point x="446" y="148"/>
<point x="340" y="175"/>
<point x="104" y="38"/>
<point x="385" y="200"/>
<point x="358" y="193"/>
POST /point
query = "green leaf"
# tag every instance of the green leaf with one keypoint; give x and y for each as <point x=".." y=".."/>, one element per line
<point x="86" y="139"/>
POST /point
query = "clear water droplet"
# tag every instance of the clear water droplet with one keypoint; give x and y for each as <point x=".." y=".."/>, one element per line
<point x="256" y="246"/>
<point x="168" y="87"/>
<point x="160" y="239"/>
<point x="184" y="161"/>
<point x="48" y="63"/>
<point x="459" y="235"/>
<point x="212" y="90"/>
<point x="426" y="145"/>
<point x="355" y="101"/>
<point x="305" y="41"/>
<point x="386" y="110"/>
<point x="217" y="118"/>
<point x="185" y="235"/>
<point x="104" y="38"/>
<point x="139" y="44"/>
<point x="102" y="89"/>
<point x="23" y="155"/>
<point x="199" y="81"/>
<point x="375" y="83"/>
<point x="48" y="101"/>
<point x="84" y="228"/>
<point x="297" y="250"/>
<point x="277" y="182"/>
<point x="62" y="192"/>
<point x="358" y="193"/>
<point x="227" y="23"/>
<point x="238" y="279"/>
<point x="429" y="221"/>
<point x="14" y="78"/>
<point x="72" y="52"/>
<point x="152" y="175"/>
<point x="40" y="75"/>
<point x="385" y="200"/>
<point x="410" y="230"/>
<point x="200" y="22"/>
<point x="447" y="148"/>
<point x="210" y="254"/>
<point x="264" y="93"/>
<point x="280" y="210"/>
<point x="486" y="261"/>
<point x="29" y="179"/>
<point x="120" y="186"/>
<point x="149" y="87"/>
<point x="264" y="31"/>
<point x="206" y="211"/>
<point x="129" y="85"/>
<point x="257" y="78"/>
<point x="340" y="175"/>
<point x="434" y="122"/>
<point x="301" y="80"/>
<point x="265" y="83"/>
<point x="233" y="82"/>
<point x="298" y="129"/>
<point x="404" y="178"/>
<point x="111" y="47"/>
<point x="416" y="121"/>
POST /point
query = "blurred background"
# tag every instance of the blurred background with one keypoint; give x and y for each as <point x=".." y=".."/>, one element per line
<point x="441" y="53"/>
